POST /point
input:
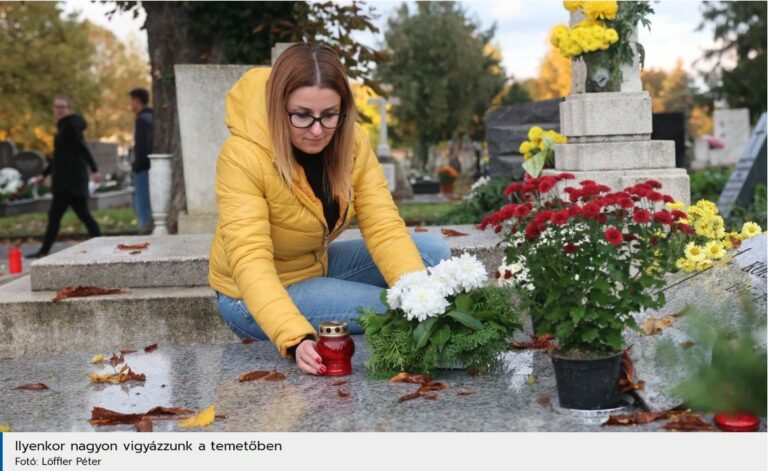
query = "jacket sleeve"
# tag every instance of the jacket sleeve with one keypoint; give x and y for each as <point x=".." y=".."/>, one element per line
<point x="77" y="142"/>
<point x="244" y="226"/>
<point x="142" y="146"/>
<point x="386" y="237"/>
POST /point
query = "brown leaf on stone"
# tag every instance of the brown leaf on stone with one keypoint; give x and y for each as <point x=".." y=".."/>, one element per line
<point x="115" y="360"/>
<point x="432" y="386"/>
<point x="84" y="291"/>
<point x="274" y="376"/>
<point x="543" y="401"/>
<point x="452" y="233"/>
<point x="409" y="397"/>
<point x="134" y="252"/>
<point x="340" y="383"/>
<point x="127" y="351"/>
<point x="150" y="348"/>
<point x="653" y="326"/>
<point x="627" y="376"/>
<point x="101" y="416"/>
<point x="420" y="229"/>
<point x="247" y="340"/>
<point x="342" y="393"/>
<point x="689" y="423"/>
<point x="431" y="397"/>
<point x="536" y="343"/>
<point x="410" y="378"/>
<point x="686" y="345"/>
<point x="133" y="246"/>
<point x="123" y="375"/>
<point x="32" y="387"/>
<point x="144" y="425"/>
<point x="464" y="393"/>
<point x="253" y="376"/>
<point x="636" y="418"/>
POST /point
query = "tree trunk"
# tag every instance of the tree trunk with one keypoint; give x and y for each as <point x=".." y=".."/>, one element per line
<point x="168" y="44"/>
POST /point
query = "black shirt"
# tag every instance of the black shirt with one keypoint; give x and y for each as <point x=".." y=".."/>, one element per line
<point x="315" y="171"/>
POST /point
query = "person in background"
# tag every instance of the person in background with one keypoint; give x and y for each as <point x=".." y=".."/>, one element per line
<point x="69" y="174"/>
<point x="142" y="147"/>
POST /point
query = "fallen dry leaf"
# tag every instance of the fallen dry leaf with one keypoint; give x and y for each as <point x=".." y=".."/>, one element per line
<point x="97" y="359"/>
<point x="452" y="233"/>
<point x="252" y="376"/>
<point x="101" y="416"/>
<point x="84" y="291"/>
<point x="123" y="375"/>
<point x="536" y="343"/>
<point x="274" y="376"/>
<point x="543" y="401"/>
<point x="410" y="378"/>
<point x="342" y="393"/>
<point x="32" y="387"/>
<point x="425" y="388"/>
<point x="636" y="418"/>
<point x="431" y="397"/>
<point x="686" y="345"/>
<point x="134" y="252"/>
<point x="340" y="383"/>
<point x="409" y="397"/>
<point x="150" y="348"/>
<point x="247" y="340"/>
<point x="127" y="351"/>
<point x="689" y="423"/>
<point x="115" y="360"/>
<point x="627" y="380"/>
<point x="420" y="229"/>
<point x="202" y="419"/>
<point x="464" y="393"/>
<point x="133" y="246"/>
<point x="144" y="425"/>
<point x="653" y="326"/>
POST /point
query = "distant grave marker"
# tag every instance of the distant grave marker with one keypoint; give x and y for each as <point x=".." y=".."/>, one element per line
<point x="7" y="150"/>
<point x="750" y="171"/>
<point x="30" y="163"/>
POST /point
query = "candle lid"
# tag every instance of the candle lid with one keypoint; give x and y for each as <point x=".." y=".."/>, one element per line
<point x="737" y="422"/>
<point x="333" y="329"/>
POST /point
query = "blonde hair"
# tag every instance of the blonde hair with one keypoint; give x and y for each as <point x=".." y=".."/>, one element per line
<point x="306" y="65"/>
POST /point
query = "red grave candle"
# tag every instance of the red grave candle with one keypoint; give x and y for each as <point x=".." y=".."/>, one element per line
<point x="737" y="422"/>
<point x="336" y="348"/>
<point x="14" y="260"/>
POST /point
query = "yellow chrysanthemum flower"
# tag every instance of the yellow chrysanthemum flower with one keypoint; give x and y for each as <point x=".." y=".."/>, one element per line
<point x="526" y="147"/>
<point x="750" y="229"/>
<point x="573" y="6"/>
<point x="707" y="206"/>
<point x="535" y="134"/>
<point x="679" y="205"/>
<point x="601" y="10"/>
<point x="703" y="265"/>
<point x="694" y="253"/>
<point x="714" y="250"/>
<point x="685" y="264"/>
<point x="611" y="35"/>
<point x="728" y="237"/>
<point x="703" y="227"/>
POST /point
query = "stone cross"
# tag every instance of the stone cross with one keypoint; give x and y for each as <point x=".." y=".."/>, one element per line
<point x="383" y="149"/>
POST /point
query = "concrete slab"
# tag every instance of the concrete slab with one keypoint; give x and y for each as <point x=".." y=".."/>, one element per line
<point x="615" y="156"/>
<point x="586" y="116"/>
<point x="196" y="377"/>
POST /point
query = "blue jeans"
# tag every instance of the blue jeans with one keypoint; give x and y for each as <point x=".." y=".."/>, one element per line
<point x="141" y="203"/>
<point x="353" y="281"/>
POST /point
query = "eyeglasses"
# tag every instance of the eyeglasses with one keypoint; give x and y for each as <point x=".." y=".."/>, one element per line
<point x="306" y="120"/>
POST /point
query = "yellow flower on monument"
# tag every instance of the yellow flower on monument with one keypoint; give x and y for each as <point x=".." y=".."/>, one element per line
<point x="704" y="228"/>
<point x="750" y="229"/>
<point x="601" y="10"/>
<point x="678" y="205"/>
<point x="526" y="147"/>
<point x="729" y="236"/>
<point x="535" y="134"/>
<point x="528" y="156"/>
<point x="714" y="250"/>
<point x="694" y="253"/>
<point x="703" y="265"/>
<point x="611" y="35"/>
<point x="707" y="205"/>
<point x="685" y="264"/>
<point x="573" y="6"/>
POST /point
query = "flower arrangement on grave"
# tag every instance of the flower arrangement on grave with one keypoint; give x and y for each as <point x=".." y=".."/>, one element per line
<point x="603" y="39"/>
<point x="447" y="176"/>
<point x="11" y="183"/>
<point x="539" y="150"/>
<point x="444" y="316"/>
<point x="582" y="264"/>
<point x="711" y="242"/>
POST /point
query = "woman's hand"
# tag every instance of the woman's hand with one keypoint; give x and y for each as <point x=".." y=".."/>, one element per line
<point x="307" y="358"/>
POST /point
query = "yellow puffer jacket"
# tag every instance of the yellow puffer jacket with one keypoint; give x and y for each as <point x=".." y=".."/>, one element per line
<point x="270" y="236"/>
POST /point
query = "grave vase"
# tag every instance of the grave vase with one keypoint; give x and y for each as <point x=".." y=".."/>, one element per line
<point x="600" y="77"/>
<point x="160" y="190"/>
<point x="589" y="383"/>
<point x="446" y="188"/>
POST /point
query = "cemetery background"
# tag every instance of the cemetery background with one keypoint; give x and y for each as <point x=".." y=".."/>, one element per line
<point x="460" y="149"/>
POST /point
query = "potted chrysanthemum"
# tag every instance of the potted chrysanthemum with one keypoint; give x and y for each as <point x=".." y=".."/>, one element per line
<point x="445" y="316"/>
<point x="447" y="176"/>
<point x="539" y="150"/>
<point x="581" y="266"/>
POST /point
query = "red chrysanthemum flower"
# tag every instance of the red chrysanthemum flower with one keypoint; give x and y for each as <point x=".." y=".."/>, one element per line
<point x="512" y="188"/>
<point x="566" y="176"/>
<point x="507" y="274"/>
<point x="685" y="228"/>
<point x="497" y="274"/>
<point x="561" y="217"/>
<point x="591" y="210"/>
<point x="587" y="183"/>
<point x="641" y="216"/>
<point x="546" y="184"/>
<point x="497" y="229"/>
<point x="654" y="196"/>
<point x="528" y="187"/>
<point x="532" y="231"/>
<point x="668" y="199"/>
<point x="677" y="214"/>
<point x="653" y="183"/>
<point x="625" y="202"/>
<point x="663" y="217"/>
<point x="523" y="210"/>
<point x="570" y="248"/>
<point x="613" y="236"/>
<point x="574" y="210"/>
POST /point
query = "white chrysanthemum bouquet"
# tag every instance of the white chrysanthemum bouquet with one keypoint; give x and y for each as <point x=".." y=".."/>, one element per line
<point x="445" y="315"/>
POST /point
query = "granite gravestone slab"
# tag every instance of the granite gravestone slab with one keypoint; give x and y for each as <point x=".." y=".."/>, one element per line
<point x="507" y="127"/>
<point x="106" y="156"/>
<point x="7" y="150"/>
<point x="719" y="290"/>
<point x="750" y="171"/>
<point x="671" y="127"/>
<point x="30" y="163"/>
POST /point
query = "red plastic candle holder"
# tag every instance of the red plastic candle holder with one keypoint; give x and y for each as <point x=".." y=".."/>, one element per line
<point x="14" y="260"/>
<point x="737" y="422"/>
<point x="336" y="348"/>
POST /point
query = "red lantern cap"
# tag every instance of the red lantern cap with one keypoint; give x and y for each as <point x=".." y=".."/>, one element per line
<point x="737" y="422"/>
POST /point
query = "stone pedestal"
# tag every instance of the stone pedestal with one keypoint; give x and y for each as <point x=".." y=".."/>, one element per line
<point x="609" y="141"/>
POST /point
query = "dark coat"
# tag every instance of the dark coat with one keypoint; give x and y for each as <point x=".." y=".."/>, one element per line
<point x="142" y="139"/>
<point x="71" y="158"/>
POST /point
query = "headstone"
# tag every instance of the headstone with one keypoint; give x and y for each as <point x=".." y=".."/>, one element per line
<point x="507" y="127"/>
<point x="732" y="128"/>
<point x="397" y="179"/>
<point x="750" y="171"/>
<point x="7" y="150"/>
<point x="718" y="290"/>
<point x="671" y="127"/>
<point x="106" y="156"/>
<point x="30" y="163"/>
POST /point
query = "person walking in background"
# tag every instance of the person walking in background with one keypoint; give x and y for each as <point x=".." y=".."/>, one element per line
<point x="142" y="147"/>
<point x="69" y="174"/>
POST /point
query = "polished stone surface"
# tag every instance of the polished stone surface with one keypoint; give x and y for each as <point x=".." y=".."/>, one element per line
<point x="196" y="377"/>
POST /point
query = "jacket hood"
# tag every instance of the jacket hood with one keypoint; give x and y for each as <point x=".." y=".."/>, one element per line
<point x="74" y="120"/>
<point x="247" y="108"/>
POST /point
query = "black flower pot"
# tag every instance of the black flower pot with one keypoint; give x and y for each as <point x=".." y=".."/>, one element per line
<point x="588" y="384"/>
